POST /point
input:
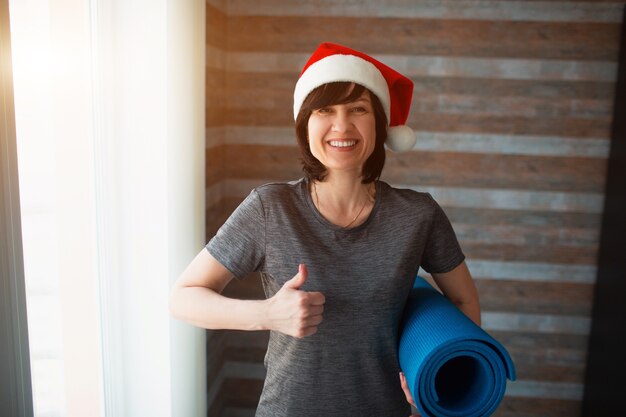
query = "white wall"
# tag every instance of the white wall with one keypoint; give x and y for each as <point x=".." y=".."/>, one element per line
<point x="186" y="112"/>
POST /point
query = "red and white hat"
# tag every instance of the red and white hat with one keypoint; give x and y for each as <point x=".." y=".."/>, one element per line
<point x="333" y="63"/>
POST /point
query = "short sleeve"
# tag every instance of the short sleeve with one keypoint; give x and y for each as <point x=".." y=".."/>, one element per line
<point x="239" y="244"/>
<point x="442" y="252"/>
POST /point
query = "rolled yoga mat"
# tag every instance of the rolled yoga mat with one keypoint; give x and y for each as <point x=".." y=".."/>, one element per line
<point x="452" y="366"/>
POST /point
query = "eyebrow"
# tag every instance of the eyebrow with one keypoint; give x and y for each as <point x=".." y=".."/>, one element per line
<point x="366" y="99"/>
<point x="358" y="100"/>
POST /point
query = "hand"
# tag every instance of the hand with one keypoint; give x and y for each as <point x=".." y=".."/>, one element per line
<point x="407" y="392"/>
<point x="294" y="312"/>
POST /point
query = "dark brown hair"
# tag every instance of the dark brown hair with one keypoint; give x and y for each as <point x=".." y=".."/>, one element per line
<point x="329" y="95"/>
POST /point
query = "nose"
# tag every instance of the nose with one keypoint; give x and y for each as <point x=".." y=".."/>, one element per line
<point x="342" y="122"/>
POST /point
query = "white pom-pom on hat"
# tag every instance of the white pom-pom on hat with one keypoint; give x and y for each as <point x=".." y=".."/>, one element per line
<point x="332" y="63"/>
<point x="400" y="138"/>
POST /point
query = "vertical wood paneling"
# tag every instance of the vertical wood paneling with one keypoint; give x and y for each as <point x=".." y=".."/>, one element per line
<point x="512" y="108"/>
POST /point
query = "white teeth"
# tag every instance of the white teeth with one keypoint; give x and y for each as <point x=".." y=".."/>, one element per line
<point x="342" y="143"/>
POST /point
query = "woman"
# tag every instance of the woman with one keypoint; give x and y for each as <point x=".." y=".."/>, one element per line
<point x="337" y="250"/>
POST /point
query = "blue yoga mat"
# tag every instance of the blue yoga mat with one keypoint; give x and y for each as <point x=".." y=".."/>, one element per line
<point x="452" y="366"/>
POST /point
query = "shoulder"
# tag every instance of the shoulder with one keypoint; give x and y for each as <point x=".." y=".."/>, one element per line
<point x="407" y="197"/>
<point x="273" y="190"/>
<point x="408" y="205"/>
<point x="280" y="194"/>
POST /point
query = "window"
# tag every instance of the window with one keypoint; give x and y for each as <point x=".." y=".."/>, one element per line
<point x="110" y="145"/>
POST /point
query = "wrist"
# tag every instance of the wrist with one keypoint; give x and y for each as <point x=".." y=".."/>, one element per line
<point x="260" y="315"/>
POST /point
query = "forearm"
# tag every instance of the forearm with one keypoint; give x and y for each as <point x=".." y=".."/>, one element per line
<point x="471" y="309"/>
<point x="458" y="286"/>
<point x="197" y="298"/>
<point x="206" y="308"/>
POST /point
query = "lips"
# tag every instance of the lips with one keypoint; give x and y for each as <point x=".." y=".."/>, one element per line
<point x="342" y="143"/>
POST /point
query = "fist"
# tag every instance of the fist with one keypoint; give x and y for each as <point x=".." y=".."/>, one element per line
<point x="295" y="312"/>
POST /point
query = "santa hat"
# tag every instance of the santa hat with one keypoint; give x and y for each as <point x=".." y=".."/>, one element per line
<point x="332" y="63"/>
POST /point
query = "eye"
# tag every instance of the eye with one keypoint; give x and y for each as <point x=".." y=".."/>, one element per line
<point x="324" y="110"/>
<point x="359" y="109"/>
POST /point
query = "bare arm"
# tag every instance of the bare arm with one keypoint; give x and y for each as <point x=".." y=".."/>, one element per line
<point x="196" y="298"/>
<point x="458" y="286"/>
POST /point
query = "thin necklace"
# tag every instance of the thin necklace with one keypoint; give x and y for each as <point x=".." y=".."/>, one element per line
<point x="317" y="200"/>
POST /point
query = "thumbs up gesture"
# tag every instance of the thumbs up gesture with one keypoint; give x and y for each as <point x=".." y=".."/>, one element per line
<point x="294" y="312"/>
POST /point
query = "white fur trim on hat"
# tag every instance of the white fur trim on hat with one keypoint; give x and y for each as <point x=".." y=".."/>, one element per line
<point x="400" y="138"/>
<point x="339" y="67"/>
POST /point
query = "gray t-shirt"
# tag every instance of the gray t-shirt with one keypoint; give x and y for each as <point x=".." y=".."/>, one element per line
<point x="350" y="366"/>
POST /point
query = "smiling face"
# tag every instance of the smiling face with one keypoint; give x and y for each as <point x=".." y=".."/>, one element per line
<point x="343" y="136"/>
<point x="342" y="125"/>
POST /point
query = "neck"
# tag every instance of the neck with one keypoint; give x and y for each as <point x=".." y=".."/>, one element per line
<point x="344" y="191"/>
<point x="343" y="200"/>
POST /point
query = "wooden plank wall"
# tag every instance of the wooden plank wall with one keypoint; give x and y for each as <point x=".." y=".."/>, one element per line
<point x="512" y="105"/>
<point x="216" y="23"/>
